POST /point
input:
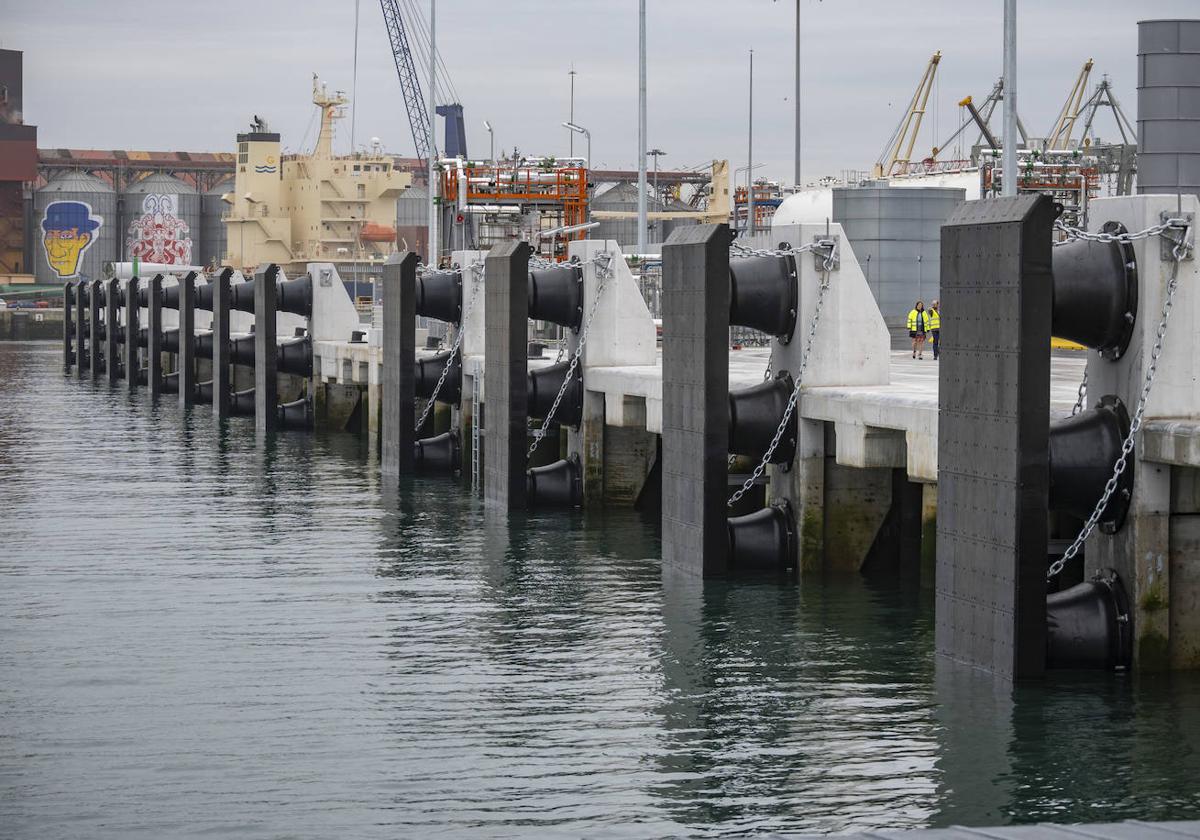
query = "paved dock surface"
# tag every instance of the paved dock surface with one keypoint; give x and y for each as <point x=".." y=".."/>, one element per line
<point x="1129" y="830"/>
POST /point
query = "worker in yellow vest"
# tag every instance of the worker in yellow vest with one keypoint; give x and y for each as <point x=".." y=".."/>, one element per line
<point x="934" y="318"/>
<point x="917" y="325"/>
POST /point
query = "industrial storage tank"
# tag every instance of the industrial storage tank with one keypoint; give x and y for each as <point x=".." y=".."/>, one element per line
<point x="160" y="221"/>
<point x="896" y="235"/>
<point x="412" y="219"/>
<point x="620" y="197"/>
<point x="212" y="229"/>
<point x="75" y="228"/>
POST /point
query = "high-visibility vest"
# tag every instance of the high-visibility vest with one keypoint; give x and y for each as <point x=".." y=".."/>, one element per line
<point x="912" y="320"/>
<point x="933" y="319"/>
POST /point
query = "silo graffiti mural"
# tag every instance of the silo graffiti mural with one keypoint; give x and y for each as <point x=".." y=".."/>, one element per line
<point x="158" y="235"/>
<point x="68" y="230"/>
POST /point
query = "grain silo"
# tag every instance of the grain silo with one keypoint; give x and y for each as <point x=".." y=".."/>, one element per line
<point x="896" y="235"/>
<point x="412" y="219"/>
<point x="212" y="229"/>
<point x="160" y="221"/>
<point x="75" y="228"/>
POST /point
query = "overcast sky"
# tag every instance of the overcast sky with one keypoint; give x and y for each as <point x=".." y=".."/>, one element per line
<point x="188" y="76"/>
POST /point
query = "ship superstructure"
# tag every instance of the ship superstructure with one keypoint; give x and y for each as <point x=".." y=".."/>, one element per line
<point x="295" y="209"/>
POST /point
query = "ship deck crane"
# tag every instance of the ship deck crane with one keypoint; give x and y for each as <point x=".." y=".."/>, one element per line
<point x="898" y="150"/>
<point x="1064" y="126"/>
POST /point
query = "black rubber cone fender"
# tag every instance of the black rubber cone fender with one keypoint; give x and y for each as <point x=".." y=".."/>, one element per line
<point x="429" y="369"/>
<point x="204" y="391"/>
<point x="764" y="294"/>
<point x="440" y="453"/>
<point x="295" y="356"/>
<point x="204" y="293"/>
<point x="204" y="345"/>
<point x="170" y="297"/>
<point x="439" y="294"/>
<point x="170" y="340"/>
<point x="1088" y="625"/>
<point x="295" y="296"/>
<point x="241" y="350"/>
<point x="556" y="295"/>
<point x="295" y="415"/>
<point x="557" y="485"/>
<point x="754" y="416"/>
<point x="763" y="541"/>
<point x="241" y="403"/>
<point x="1096" y="293"/>
<point x="1083" y="451"/>
<point x="241" y="296"/>
<point x="170" y="382"/>
<point x="542" y="386"/>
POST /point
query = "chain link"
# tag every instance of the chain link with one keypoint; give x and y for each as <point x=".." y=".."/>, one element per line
<point x="1178" y="254"/>
<point x="476" y="273"/>
<point x="1082" y="396"/>
<point x="741" y="250"/>
<point x="1074" y="233"/>
<point x="822" y="288"/>
<point x="604" y="272"/>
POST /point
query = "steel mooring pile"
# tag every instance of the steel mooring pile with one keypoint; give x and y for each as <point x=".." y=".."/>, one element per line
<point x="200" y="336"/>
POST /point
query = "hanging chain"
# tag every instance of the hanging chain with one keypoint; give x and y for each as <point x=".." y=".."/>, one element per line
<point x="1082" y="396"/>
<point x="1178" y="254"/>
<point x="476" y="272"/>
<point x="1074" y="233"/>
<point x="741" y="250"/>
<point x="604" y="272"/>
<point x="822" y="288"/>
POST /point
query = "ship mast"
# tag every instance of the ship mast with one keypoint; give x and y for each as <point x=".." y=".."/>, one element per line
<point x="331" y="109"/>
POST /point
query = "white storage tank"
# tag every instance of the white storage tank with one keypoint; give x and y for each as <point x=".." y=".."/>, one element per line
<point x="160" y="221"/>
<point x="74" y="228"/>
<point x="212" y="229"/>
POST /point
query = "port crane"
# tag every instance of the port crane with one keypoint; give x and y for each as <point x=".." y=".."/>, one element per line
<point x="414" y="99"/>
<point x="898" y="150"/>
<point x="1064" y="126"/>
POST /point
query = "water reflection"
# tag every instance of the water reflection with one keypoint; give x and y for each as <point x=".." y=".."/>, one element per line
<point x="257" y="636"/>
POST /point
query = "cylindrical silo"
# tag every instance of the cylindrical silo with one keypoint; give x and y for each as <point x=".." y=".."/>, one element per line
<point x="1168" y="106"/>
<point x="412" y="219"/>
<point x="75" y="228"/>
<point x="212" y="229"/>
<point x="160" y="221"/>
<point x="620" y="198"/>
<point x="896" y="237"/>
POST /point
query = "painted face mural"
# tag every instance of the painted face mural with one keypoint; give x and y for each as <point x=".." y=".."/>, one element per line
<point x="68" y="230"/>
<point x="159" y="235"/>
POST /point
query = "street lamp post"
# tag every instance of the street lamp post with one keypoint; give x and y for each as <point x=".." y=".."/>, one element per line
<point x="581" y="130"/>
<point x="491" y="142"/>
<point x="656" y="153"/>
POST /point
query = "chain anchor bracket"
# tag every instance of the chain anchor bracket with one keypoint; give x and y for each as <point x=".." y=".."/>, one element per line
<point x="1185" y="240"/>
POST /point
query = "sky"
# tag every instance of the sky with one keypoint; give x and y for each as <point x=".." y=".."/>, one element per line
<point x="174" y="75"/>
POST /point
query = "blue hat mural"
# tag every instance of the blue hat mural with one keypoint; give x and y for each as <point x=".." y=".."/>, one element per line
<point x="69" y="230"/>
<point x="70" y="215"/>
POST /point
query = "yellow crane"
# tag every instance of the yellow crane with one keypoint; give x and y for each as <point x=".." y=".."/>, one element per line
<point x="1060" y="136"/>
<point x="898" y="150"/>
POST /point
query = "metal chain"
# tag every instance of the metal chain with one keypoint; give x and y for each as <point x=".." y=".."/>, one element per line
<point x="1074" y="233"/>
<point x="1178" y="253"/>
<point x="822" y="287"/>
<point x="476" y="273"/>
<point x="746" y="251"/>
<point x="603" y="262"/>
<point x="1082" y="396"/>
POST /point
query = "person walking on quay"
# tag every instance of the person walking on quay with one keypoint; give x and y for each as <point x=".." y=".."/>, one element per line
<point x="934" y="317"/>
<point x="917" y="325"/>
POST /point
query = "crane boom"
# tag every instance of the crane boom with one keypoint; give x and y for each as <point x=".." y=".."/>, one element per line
<point x="410" y="84"/>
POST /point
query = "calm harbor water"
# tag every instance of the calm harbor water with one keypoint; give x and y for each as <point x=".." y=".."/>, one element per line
<point x="206" y="634"/>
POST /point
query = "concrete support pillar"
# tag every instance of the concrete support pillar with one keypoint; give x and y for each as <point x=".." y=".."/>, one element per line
<point x="132" y="365"/>
<point x="95" y="325"/>
<point x="804" y="487"/>
<point x="695" y="389"/>
<point x="80" y="328"/>
<point x="68" y="326"/>
<point x="221" y="372"/>
<point x="993" y="435"/>
<point x="928" y="535"/>
<point x="588" y="442"/>
<point x="505" y="366"/>
<point x="266" y="386"/>
<point x="112" y="288"/>
<point x="154" y="332"/>
<point x="187" y="340"/>
<point x="399" y="358"/>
